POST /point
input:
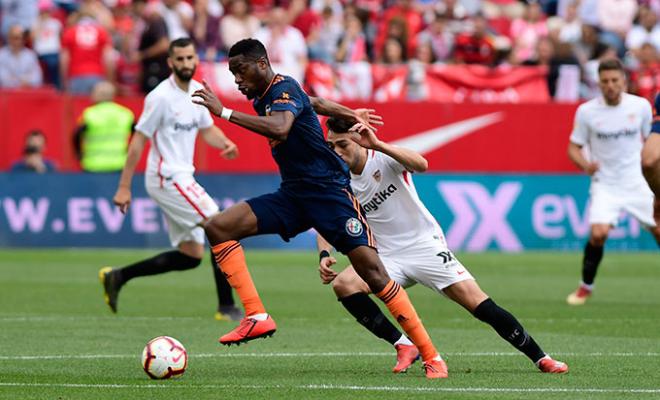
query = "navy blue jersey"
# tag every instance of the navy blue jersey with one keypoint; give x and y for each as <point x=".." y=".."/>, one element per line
<point x="655" y="127"/>
<point x="304" y="156"/>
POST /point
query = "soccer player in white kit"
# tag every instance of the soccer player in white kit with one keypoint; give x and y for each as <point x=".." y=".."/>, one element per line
<point x="411" y="245"/>
<point x="614" y="126"/>
<point x="172" y="121"/>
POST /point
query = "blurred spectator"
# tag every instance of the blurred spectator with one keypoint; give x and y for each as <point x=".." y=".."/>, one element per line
<point x="46" y="41"/>
<point x="412" y="24"/>
<point x="646" y="31"/>
<point x="17" y="12"/>
<point x="99" y="12"/>
<point x="588" y="12"/>
<point x="285" y="45"/>
<point x="455" y="15"/>
<point x="589" y="46"/>
<point x="645" y="80"/>
<point x="152" y="46"/>
<point x="571" y="29"/>
<point x="417" y="66"/>
<point x="206" y="29"/>
<point x="101" y="138"/>
<point x="438" y="38"/>
<point x="178" y="16"/>
<point x="393" y="52"/>
<point x="510" y="9"/>
<point x="303" y="17"/>
<point x="616" y="18"/>
<point x="238" y="24"/>
<point x="323" y="39"/>
<point x="86" y="56"/>
<point x="352" y="44"/>
<point x="527" y="31"/>
<point x="475" y="47"/>
<point x="33" y="155"/>
<point x="19" y="67"/>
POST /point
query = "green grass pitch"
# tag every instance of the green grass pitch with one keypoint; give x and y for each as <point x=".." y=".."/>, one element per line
<point x="58" y="340"/>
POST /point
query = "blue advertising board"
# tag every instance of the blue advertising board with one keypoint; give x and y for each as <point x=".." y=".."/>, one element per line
<point x="478" y="212"/>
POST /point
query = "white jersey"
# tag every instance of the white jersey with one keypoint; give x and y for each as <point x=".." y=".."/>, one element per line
<point x="397" y="217"/>
<point x="171" y="120"/>
<point x="615" y="136"/>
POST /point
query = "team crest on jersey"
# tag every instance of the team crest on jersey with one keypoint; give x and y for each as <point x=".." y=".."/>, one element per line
<point x="377" y="175"/>
<point x="354" y="227"/>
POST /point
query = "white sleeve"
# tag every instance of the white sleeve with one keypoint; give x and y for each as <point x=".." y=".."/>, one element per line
<point x="151" y="117"/>
<point x="647" y="119"/>
<point x="205" y="119"/>
<point x="580" y="134"/>
<point x="384" y="159"/>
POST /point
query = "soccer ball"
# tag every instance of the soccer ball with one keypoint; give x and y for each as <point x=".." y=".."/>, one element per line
<point x="164" y="357"/>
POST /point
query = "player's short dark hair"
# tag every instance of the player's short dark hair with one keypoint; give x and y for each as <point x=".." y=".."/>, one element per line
<point x="338" y="125"/>
<point x="249" y="48"/>
<point x="180" y="42"/>
<point x="612" y="64"/>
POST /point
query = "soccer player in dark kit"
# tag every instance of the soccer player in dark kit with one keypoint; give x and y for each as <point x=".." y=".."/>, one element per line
<point x="315" y="193"/>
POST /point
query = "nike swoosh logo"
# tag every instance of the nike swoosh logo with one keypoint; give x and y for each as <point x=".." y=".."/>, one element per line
<point x="431" y="140"/>
<point x="177" y="358"/>
<point x="460" y="272"/>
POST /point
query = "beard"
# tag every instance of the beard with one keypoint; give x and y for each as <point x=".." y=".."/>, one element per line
<point x="184" y="74"/>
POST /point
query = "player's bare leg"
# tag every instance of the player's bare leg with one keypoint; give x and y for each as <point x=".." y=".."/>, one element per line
<point x="369" y="267"/>
<point x="468" y="294"/>
<point x="187" y="256"/>
<point x="593" y="254"/>
<point x="223" y="231"/>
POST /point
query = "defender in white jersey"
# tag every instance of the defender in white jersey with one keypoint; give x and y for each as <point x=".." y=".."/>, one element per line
<point x="171" y="121"/>
<point x="614" y="127"/>
<point x="411" y="244"/>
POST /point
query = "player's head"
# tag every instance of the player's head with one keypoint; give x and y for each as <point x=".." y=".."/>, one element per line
<point x="339" y="140"/>
<point x="182" y="58"/>
<point x="248" y="62"/>
<point x="611" y="80"/>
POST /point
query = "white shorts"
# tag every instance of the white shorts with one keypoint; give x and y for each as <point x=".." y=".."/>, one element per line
<point x="435" y="268"/>
<point x="607" y="203"/>
<point x="185" y="204"/>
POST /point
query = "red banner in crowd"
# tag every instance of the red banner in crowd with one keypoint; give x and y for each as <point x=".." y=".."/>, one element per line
<point x="453" y="137"/>
<point x="481" y="84"/>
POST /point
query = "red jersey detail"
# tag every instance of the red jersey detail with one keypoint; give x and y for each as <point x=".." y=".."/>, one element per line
<point x="85" y="43"/>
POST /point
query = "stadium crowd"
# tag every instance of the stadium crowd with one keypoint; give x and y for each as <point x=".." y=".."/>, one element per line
<point x="73" y="44"/>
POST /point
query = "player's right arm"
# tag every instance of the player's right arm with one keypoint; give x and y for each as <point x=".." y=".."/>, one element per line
<point x="149" y="122"/>
<point x="326" y="261"/>
<point x="580" y="137"/>
<point x="329" y="108"/>
<point x="122" y="198"/>
<point x="275" y="126"/>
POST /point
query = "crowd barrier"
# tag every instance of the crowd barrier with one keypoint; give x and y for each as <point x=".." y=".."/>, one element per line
<point x="504" y="212"/>
<point x="468" y="138"/>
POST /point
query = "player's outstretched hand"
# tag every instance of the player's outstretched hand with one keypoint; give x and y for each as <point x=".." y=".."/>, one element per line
<point x="325" y="269"/>
<point x="364" y="135"/>
<point x="368" y="117"/>
<point x="205" y="97"/>
<point x="122" y="199"/>
<point x="231" y="151"/>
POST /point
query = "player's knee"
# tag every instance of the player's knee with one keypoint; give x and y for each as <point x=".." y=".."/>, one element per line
<point x="348" y="283"/>
<point x="598" y="237"/>
<point x="650" y="162"/>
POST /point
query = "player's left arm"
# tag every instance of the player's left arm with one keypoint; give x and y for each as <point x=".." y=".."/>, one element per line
<point x="411" y="160"/>
<point x="329" y="108"/>
<point x="326" y="261"/>
<point x="215" y="137"/>
<point x="275" y="126"/>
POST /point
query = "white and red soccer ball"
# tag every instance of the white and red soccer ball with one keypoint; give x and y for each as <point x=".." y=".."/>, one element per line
<point x="164" y="357"/>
